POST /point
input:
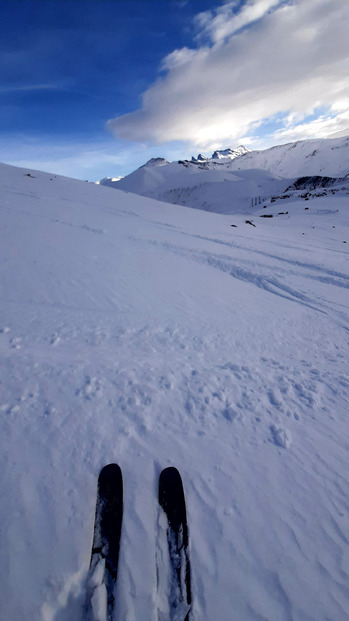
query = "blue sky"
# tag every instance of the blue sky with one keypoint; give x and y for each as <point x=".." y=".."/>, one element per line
<point x="95" y="88"/>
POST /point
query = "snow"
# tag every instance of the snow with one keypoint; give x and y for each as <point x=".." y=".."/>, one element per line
<point x="106" y="180"/>
<point x="306" y="157"/>
<point x="136" y="332"/>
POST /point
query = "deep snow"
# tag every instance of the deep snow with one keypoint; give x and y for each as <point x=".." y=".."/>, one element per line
<point x="151" y="335"/>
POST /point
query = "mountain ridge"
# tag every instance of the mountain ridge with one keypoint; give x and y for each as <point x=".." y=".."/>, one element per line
<point x="231" y="178"/>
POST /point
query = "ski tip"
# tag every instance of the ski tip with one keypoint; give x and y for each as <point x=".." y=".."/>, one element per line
<point x="110" y="471"/>
<point x="170" y="477"/>
<point x="171" y="496"/>
<point x="170" y="472"/>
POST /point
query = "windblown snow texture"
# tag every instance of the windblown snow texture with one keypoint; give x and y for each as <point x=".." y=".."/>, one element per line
<point x="136" y="332"/>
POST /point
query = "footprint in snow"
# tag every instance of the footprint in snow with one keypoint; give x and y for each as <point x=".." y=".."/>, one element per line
<point x="55" y="339"/>
<point x="8" y="409"/>
<point x="91" y="389"/>
<point x="229" y="414"/>
<point x="281" y="437"/>
<point x="275" y="397"/>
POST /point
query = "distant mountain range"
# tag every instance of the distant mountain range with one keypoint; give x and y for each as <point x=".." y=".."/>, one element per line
<point x="231" y="179"/>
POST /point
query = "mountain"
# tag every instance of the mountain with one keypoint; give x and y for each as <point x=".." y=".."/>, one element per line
<point x="242" y="175"/>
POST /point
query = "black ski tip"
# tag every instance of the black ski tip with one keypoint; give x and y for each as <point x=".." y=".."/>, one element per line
<point x="110" y="488"/>
<point x="109" y="512"/>
<point x="170" y="474"/>
<point x="171" y="497"/>
<point x="170" y="479"/>
<point x="110" y="471"/>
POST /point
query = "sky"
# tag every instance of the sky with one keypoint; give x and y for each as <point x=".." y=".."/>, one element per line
<point x="91" y="89"/>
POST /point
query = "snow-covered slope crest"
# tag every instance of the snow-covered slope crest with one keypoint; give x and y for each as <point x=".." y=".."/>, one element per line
<point x="231" y="179"/>
<point x="326" y="157"/>
<point x="152" y="163"/>
<point x="156" y="161"/>
<point x="139" y="334"/>
<point x="107" y="180"/>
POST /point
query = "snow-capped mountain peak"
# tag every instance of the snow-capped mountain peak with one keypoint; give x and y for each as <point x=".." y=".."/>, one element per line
<point x="199" y="158"/>
<point x="230" y="153"/>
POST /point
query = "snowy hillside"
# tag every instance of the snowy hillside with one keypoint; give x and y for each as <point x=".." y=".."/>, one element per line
<point x="147" y="335"/>
<point x="243" y="175"/>
<point x="328" y="157"/>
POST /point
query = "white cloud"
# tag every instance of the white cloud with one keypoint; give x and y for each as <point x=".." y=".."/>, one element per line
<point x="227" y="19"/>
<point x="259" y="59"/>
<point x="321" y="127"/>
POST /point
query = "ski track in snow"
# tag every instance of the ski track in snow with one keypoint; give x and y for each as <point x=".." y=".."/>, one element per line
<point x="146" y="335"/>
<point x="265" y="277"/>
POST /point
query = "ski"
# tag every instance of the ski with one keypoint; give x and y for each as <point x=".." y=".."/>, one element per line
<point x="172" y="502"/>
<point x="106" y="545"/>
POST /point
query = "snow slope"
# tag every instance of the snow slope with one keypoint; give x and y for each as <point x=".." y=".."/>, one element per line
<point x="329" y="157"/>
<point x="243" y="176"/>
<point x="218" y="190"/>
<point x="135" y="332"/>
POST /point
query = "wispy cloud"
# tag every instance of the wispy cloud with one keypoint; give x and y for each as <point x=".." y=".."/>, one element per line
<point x="254" y="60"/>
<point x="231" y="17"/>
<point x="27" y="88"/>
<point x="333" y="121"/>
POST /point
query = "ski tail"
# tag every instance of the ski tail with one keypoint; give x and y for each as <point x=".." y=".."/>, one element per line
<point x="172" y="502"/>
<point x="106" y="541"/>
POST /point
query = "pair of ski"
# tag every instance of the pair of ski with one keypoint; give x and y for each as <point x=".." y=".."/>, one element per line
<point x="106" y="545"/>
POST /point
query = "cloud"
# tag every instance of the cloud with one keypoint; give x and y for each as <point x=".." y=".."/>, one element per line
<point x="227" y="19"/>
<point x="254" y="60"/>
<point x="333" y="122"/>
